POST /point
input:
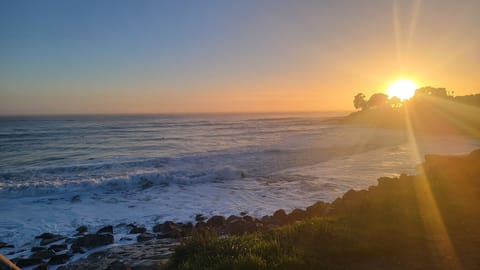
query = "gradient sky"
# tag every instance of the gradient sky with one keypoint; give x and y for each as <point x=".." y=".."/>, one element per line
<point x="227" y="56"/>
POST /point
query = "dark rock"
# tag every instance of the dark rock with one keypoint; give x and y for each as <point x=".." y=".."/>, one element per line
<point x="77" y="249"/>
<point x="59" y="259"/>
<point x="5" y="245"/>
<point x="201" y="225"/>
<point x="118" y="265"/>
<point x="43" y="254"/>
<point x="216" y="221"/>
<point x="168" y="229"/>
<point x="199" y="217"/>
<point x="187" y="228"/>
<point x="296" y="215"/>
<point x="171" y="234"/>
<point x="106" y="229"/>
<point x="94" y="240"/>
<point x="28" y="262"/>
<point x="232" y="218"/>
<point x="136" y="230"/>
<point x="35" y="249"/>
<point x="249" y="219"/>
<point x="239" y="227"/>
<point x="243" y="213"/>
<point x="82" y="229"/>
<point x="42" y="266"/>
<point x="58" y="248"/>
<point x="54" y="238"/>
<point x="75" y="198"/>
<point x="318" y="209"/>
<point x="45" y="236"/>
<point x="145" y="237"/>
<point x="163" y="227"/>
<point x="279" y="217"/>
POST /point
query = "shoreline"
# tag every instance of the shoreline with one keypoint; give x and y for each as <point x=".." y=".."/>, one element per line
<point x="79" y="251"/>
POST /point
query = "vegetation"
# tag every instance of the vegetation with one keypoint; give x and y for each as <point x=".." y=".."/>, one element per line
<point x="432" y="110"/>
<point x="428" y="221"/>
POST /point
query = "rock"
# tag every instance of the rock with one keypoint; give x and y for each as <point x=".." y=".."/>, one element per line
<point x="240" y="226"/>
<point x="59" y="259"/>
<point x="145" y="237"/>
<point x="136" y="230"/>
<point x="187" y="229"/>
<point x="199" y="217"/>
<point x="5" y="245"/>
<point x="82" y="229"/>
<point x="106" y="229"/>
<point x="318" y="209"/>
<point x="35" y="249"/>
<point x="51" y="239"/>
<point x="118" y="265"/>
<point x="296" y="215"/>
<point x="216" y="222"/>
<point x="249" y="219"/>
<point x="232" y="218"/>
<point x="93" y="240"/>
<point x="43" y="254"/>
<point x="58" y="248"/>
<point x="243" y="213"/>
<point x="168" y="229"/>
<point x="279" y="217"/>
<point x="200" y="225"/>
<point x="77" y="249"/>
<point x="45" y="236"/>
<point x="28" y="262"/>
<point x="164" y="227"/>
<point x="42" y="266"/>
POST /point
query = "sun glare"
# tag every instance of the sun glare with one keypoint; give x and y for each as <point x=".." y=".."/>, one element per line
<point x="403" y="89"/>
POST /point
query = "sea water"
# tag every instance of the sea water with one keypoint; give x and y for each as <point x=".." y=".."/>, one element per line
<point x="60" y="172"/>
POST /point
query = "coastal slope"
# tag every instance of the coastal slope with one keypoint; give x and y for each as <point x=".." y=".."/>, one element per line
<point x="426" y="221"/>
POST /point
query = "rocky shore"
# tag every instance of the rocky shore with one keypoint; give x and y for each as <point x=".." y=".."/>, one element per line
<point x="146" y="248"/>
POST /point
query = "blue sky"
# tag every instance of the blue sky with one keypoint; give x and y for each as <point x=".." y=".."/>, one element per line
<point x="187" y="56"/>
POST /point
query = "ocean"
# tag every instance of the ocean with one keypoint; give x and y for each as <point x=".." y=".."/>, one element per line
<point x="60" y="172"/>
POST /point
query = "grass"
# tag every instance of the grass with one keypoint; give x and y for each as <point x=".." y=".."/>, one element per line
<point x="394" y="225"/>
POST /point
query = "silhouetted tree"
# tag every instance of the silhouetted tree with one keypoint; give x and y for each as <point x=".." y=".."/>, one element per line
<point x="359" y="101"/>
<point x="395" y="102"/>
<point x="377" y="100"/>
<point x="431" y="91"/>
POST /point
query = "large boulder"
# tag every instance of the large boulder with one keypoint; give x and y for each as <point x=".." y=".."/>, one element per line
<point x="296" y="215"/>
<point x="279" y="217"/>
<point x="145" y="237"/>
<point x="51" y="239"/>
<point x="93" y="240"/>
<point x="43" y="254"/>
<point x="216" y="222"/>
<point x="106" y="229"/>
<point x="28" y="262"/>
<point x="59" y="259"/>
<point x="168" y="229"/>
<point x="318" y="209"/>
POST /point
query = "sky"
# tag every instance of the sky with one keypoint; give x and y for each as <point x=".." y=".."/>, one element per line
<point x="75" y="57"/>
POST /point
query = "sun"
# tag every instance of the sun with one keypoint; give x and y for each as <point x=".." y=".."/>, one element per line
<point x="403" y="89"/>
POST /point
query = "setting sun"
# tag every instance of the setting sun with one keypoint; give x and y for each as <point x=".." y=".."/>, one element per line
<point x="403" y="89"/>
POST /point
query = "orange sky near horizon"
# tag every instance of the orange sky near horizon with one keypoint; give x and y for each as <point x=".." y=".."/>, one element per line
<point x="252" y="57"/>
